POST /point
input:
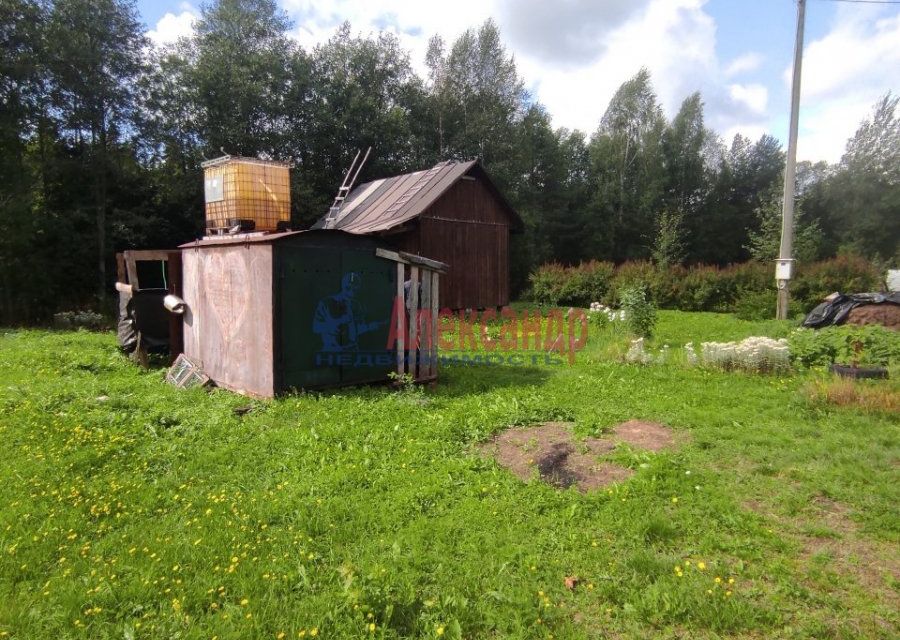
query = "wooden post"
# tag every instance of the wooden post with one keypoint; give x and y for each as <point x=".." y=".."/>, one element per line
<point x="413" y="323"/>
<point x="435" y="310"/>
<point x="176" y="320"/>
<point x="401" y="313"/>
<point x="425" y="326"/>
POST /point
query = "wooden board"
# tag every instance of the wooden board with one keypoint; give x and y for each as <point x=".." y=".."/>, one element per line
<point x="400" y="305"/>
<point x="412" y="307"/>
<point x="228" y="321"/>
<point x="424" y="326"/>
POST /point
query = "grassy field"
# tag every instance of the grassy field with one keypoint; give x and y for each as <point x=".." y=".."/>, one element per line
<point x="134" y="510"/>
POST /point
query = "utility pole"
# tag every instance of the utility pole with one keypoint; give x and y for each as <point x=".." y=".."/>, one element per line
<point x="784" y="265"/>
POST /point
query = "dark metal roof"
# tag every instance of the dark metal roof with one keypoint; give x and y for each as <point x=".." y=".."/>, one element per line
<point x="389" y="202"/>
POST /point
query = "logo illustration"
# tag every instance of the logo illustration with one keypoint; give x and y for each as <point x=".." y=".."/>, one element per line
<point x="340" y="319"/>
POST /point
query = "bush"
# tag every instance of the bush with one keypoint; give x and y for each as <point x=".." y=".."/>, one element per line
<point x="846" y="344"/>
<point x="847" y="274"/>
<point x="747" y="289"/>
<point x="760" y="304"/>
<point x="554" y="284"/>
<point x="78" y="320"/>
<point x="630" y="274"/>
<point x="547" y="283"/>
<point x="588" y="282"/>
<point x="640" y="314"/>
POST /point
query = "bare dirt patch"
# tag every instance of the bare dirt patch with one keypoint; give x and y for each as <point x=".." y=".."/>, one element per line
<point x="551" y="452"/>
<point x="644" y="435"/>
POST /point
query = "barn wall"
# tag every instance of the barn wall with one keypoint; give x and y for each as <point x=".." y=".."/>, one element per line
<point x="228" y="322"/>
<point x="467" y="228"/>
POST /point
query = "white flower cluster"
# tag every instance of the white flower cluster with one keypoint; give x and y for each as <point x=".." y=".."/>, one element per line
<point x="637" y="354"/>
<point x="757" y="353"/>
<point x="611" y="314"/>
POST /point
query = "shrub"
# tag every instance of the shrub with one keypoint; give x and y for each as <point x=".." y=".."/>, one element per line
<point x="547" y="283"/>
<point x="78" y="320"/>
<point x="868" y="346"/>
<point x="753" y="304"/>
<point x="586" y="283"/>
<point x="640" y="314"/>
<point x="847" y="274"/>
<point x="630" y="274"/>
<point x="748" y="288"/>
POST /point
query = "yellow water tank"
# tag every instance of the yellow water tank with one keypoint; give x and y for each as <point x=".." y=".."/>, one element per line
<point x="246" y="192"/>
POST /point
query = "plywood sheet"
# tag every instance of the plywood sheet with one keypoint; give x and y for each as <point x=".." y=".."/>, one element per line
<point x="228" y="324"/>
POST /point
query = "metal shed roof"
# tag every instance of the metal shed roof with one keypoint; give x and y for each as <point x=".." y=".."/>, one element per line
<point x="389" y="202"/>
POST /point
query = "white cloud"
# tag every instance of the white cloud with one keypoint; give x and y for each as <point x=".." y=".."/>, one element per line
<point x="173" y="26"/>
<point x="844" y="74"/>
<point x="743" y="63"/>
<point x="412" y="21"/>
<point x="754" y="96"/>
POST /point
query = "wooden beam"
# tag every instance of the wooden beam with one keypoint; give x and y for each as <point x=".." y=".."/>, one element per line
<point x="424" y="326"/>
<point x="428" y="263"/>
<point x="176" y="321"/>
<point x="413" y="347"/>
<point x="401" y="313"/>
<point x="435" y="310"/>
<point x="389" y="255"/>
<point x="149" y="255"/>
<point x="411" y="258"/>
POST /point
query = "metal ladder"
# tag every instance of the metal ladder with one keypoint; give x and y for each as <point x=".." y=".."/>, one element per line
<point x="345" y="188"/>
<point x="417" y="186"/>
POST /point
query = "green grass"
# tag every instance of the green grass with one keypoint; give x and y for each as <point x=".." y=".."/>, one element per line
<point x="134" y="510"/>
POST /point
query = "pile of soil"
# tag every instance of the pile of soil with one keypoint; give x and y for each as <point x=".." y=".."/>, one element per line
<point x="551" y="452"/>
<point x="887" y="315"/>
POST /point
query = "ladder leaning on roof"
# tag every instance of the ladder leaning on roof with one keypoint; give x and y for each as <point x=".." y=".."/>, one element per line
<point x="345" y="188"/>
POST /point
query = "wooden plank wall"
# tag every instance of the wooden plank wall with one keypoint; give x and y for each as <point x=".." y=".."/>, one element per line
<point x="228" y="322"/>
<point x="467" y="228"/>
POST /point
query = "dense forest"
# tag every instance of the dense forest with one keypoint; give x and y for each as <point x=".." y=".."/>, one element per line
<point x="102" y="136"/>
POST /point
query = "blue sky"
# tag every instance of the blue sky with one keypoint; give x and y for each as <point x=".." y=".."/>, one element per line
<point x="573" y="54"/>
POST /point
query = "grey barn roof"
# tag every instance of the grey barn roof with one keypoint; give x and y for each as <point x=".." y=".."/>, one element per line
<point x="383" y="204"/>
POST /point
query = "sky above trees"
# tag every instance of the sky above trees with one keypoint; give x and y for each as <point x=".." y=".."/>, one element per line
<point x="574" y="54"/>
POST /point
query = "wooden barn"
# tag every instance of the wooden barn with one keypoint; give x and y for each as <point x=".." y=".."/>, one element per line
<point x="453" y="213"/>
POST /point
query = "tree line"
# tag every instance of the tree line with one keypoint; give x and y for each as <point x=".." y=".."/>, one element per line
<point x="102" y="135"/>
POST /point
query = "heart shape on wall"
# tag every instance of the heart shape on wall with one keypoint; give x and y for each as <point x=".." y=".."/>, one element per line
<point x="227" y="289"/>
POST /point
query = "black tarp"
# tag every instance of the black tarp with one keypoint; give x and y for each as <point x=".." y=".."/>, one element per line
<point x="838" y="306"/>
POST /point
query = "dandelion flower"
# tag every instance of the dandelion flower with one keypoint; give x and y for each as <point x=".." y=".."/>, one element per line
<point x="440" y="630"/>
<point x="371" y="627"/>
<point x="718" y="579"/>
<point x="314" y="631"/>
<point x="701" y="566"/>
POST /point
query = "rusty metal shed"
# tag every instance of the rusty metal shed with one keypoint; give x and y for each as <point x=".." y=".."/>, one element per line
<point x="452" y="212"/>
<point x="268" y="313"/>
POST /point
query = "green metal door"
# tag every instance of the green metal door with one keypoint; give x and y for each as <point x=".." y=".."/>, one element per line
<point x="366" y="335"/>
<point x="307" y="277"/>
<point x="335" y="304"/>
